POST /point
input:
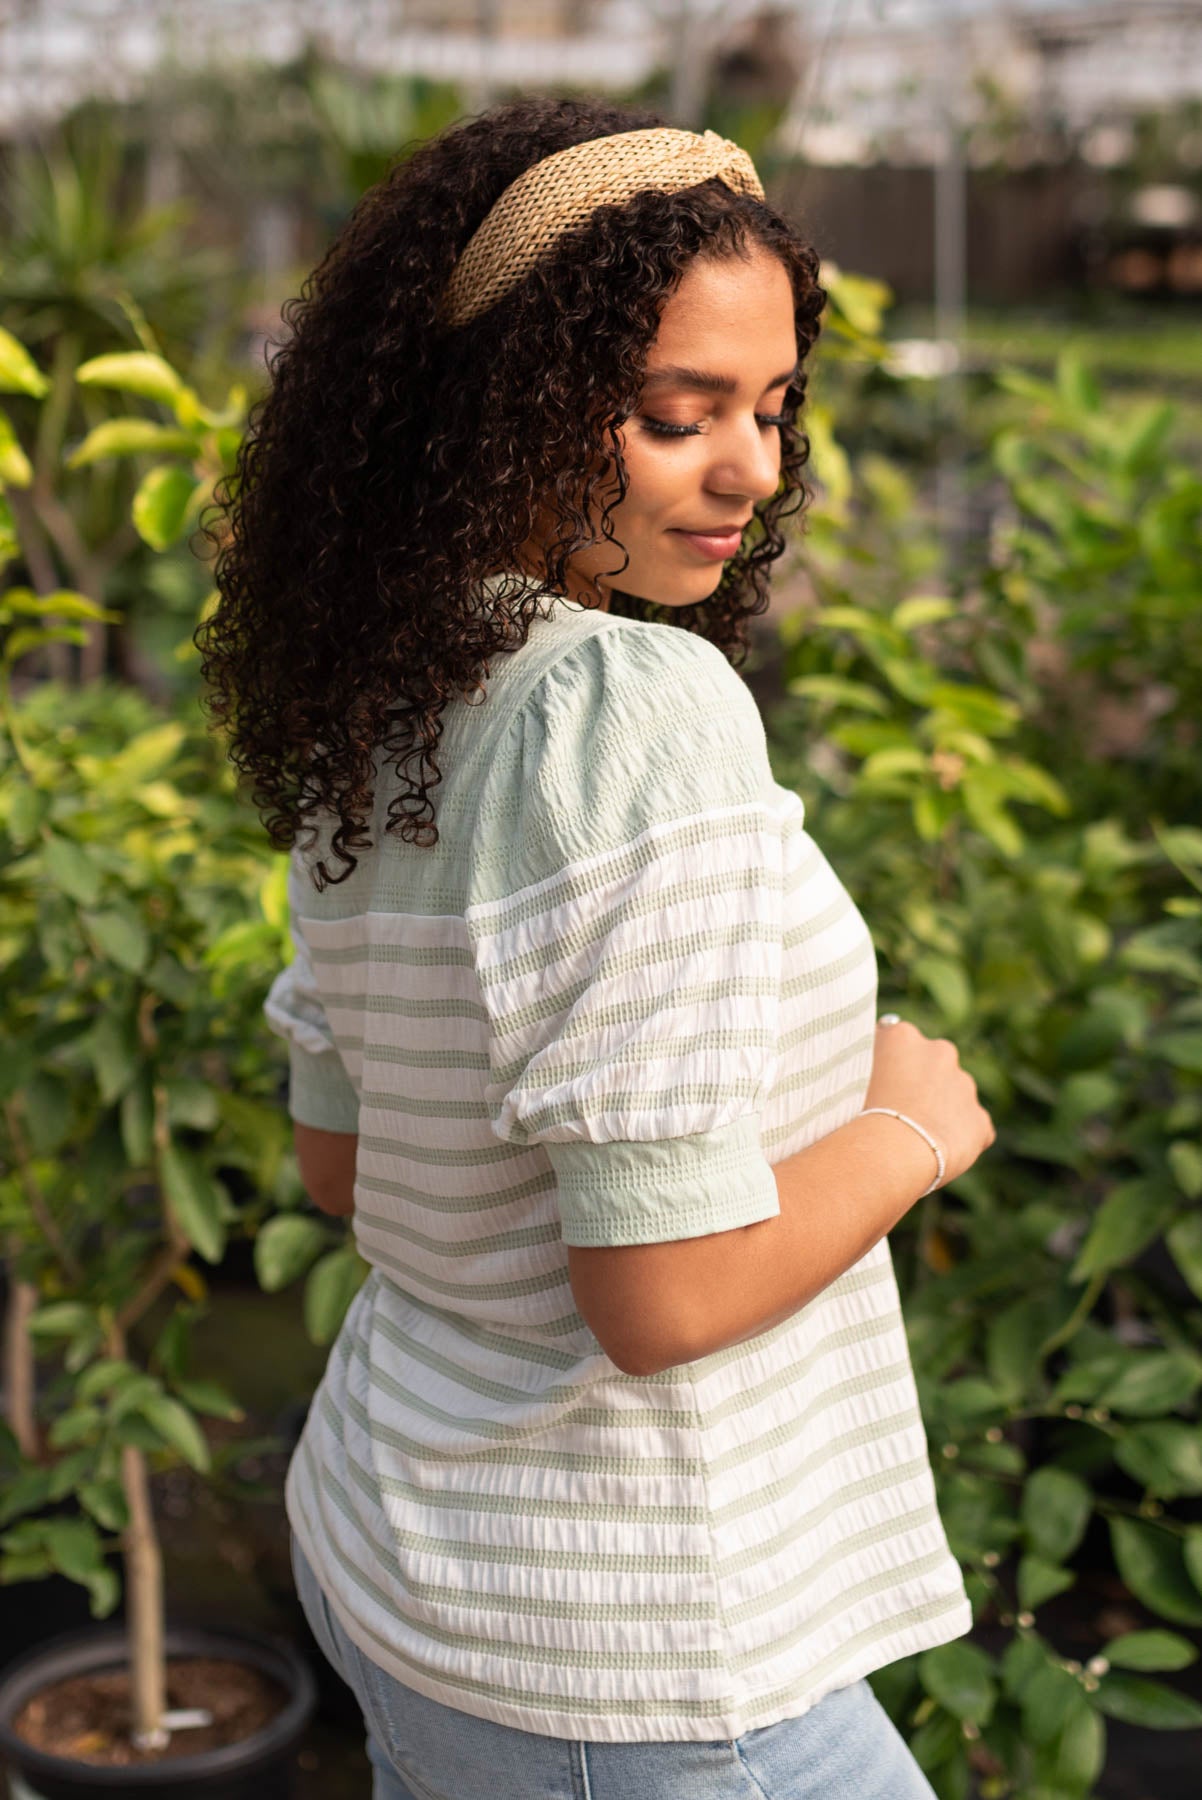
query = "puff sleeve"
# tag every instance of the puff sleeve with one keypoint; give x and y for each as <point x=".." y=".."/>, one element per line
<point x="624" y="912"/>
<point x="320" y="1091"/>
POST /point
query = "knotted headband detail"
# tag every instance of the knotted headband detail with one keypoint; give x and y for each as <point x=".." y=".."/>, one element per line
<point x="561" y="190"/>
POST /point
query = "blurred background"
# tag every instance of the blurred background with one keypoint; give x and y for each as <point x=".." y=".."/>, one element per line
<point x="982" y="669"/>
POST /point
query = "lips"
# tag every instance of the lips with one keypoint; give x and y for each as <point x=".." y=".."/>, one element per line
<point x="715" y="544"/>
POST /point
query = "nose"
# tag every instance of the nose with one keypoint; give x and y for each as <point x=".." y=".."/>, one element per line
<point x="747" y="460"/>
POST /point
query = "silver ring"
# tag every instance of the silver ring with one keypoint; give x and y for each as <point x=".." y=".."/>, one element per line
<point x="889" y="1019"/>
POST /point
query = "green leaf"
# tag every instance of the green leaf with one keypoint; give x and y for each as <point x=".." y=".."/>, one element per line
<point x="1131" y="1215"/>
<point x="1056" y="1508"/>
<point x="120" y="935"/>
<point x="1181" y="1049"/>
<point x="961" y="1677"/>
<point x="1075" y="382"/>
<point x="284" y="1249"/>
<point x="1150" y="1703"/>
<point x="1165" y="1456"/>
<point x="1152" y="1563"/>
<point x="1184" y="1240"/>
<point x="160" y="505"/>
<point x="1150" y="1650"/>
<point x="332" y="1285"/>
<point x="195" y="1199"/>
<point x="1051" y="1702"/>
<point x="131" y="437"/>
<point x="1081" y="1749"/>
<point x="922" y="609"/>
<point x="63" y="1318"/>
<point x="115" y="1055"/>
<point x="106" y="1502"/>
<point x="19" y="374"/>
<point x="840" y="691"/>
<point x="16" y="470"/>
<point x="137" y="1121"/>
<point x="72" y="870"/>
<point x="132" y="372"/>
<point x="209" y="1397"/>
<point x="1039" y="1581"/>
<point x="176" y="1427"/>
<point x="1153" y="1382"/>
<point x="1185" y="1160"/>
<point x="947" y="984"/>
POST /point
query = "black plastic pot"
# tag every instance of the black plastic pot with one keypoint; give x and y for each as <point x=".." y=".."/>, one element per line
<point x="259" y="1768"/>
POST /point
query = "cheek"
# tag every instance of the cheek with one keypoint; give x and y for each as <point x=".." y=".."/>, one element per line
<point x="659" y="478"/>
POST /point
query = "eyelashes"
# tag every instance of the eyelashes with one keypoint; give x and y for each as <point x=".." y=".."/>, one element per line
<point x="660" y="427"/>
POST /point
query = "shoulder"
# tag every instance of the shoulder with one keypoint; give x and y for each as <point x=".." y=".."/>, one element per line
<point x="636" y="691"/>
<point x="631" y="727"/>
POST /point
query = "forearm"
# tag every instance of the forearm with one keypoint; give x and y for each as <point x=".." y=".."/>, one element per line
<point x="838" y="1198"/>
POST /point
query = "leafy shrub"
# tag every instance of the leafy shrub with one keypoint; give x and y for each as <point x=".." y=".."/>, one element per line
<point x="1041" y="906"/>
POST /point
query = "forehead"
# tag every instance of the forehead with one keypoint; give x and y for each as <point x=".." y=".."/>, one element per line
<point x="731" y="315"/>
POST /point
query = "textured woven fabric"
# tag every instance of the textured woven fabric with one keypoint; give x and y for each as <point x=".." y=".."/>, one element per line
<point x="563" y="189"/>
<point x="624" y="983"/>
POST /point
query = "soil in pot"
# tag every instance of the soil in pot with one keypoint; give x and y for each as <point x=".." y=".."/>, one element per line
<point x="88" y="1717"/>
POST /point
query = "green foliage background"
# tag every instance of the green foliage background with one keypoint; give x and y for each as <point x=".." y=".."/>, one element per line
<point x="1001" y="759"/>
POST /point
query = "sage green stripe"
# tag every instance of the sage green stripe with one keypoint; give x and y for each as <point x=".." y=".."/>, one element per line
<point x="632" y="1101"/>
<point x="531" y="1699"/>
<point x="623" y="1012"/>
<point x="537" y="1355"/>
<point x="441" y="1006"/>
<point x="577" y="881"/>
<point x="810" y="979"/>
<point x="636" y="1012"/>
<point x="675" y="1564"/>
<point x="805" y="1078"/>
<point x="596" y="928"/>
<point x="414" y="1107"/>
<point x="838" y="1552"/>
<point x="778" y="1133"/>
<point x="844" y="1657"/>
<point x="624" y="1562"/>
<point x="588" y="1660"/>
<point x="826" y="1022"/>
<point x="407" y="1058"/>
<point x="838" y="909"/>
<point x="411" y="956"/>
<point x="575" y="1511"/>
<point x="841" y="1603"/>
<point x="519" y="1238"/>
<point x="528" y="1457"/>
<point x="459" y="1203"/>
<point x="646" y="1417"/>
<point x="477" y="1290"/>
<point x="460" y="1157"/>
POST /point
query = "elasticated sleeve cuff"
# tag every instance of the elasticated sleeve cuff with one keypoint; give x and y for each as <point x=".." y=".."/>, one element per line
<point x="321" y="1092"/>
<point x="667" y="1188"/>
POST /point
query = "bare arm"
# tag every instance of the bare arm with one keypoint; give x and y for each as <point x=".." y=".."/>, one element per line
<point x="327" y="1167"/>
<point x="654" y="1306"/>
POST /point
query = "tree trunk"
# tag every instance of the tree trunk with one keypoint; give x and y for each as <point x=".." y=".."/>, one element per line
<point x="143" y="1606"/>
<point x="18" y="1365"/>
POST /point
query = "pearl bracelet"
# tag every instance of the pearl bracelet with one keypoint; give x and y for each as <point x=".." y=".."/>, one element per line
<point x="923" y="1133"/>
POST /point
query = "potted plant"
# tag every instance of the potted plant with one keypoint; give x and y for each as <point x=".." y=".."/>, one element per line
<point x="135" y="1074"/>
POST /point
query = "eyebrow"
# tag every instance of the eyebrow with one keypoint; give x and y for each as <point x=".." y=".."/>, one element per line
<point x="674" y="375"/>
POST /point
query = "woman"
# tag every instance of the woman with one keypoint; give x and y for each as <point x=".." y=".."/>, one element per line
<point x="615" y="1484"/>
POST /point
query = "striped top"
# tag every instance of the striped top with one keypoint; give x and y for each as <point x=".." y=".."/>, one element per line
<point x="622" y="985"/>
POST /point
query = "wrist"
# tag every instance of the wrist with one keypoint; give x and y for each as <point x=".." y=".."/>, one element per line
<point x="919" y="1135"/>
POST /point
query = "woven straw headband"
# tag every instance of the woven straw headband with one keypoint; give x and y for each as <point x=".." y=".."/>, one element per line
<point x="563" y="189"/>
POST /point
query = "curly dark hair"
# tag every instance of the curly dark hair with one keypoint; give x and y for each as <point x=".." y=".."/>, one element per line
<point x="394" y="463"/>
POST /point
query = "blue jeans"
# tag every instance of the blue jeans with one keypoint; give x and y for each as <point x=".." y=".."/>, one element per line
<point x="845" y="1748"/>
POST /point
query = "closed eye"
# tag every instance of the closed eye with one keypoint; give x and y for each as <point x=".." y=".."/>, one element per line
<point x="661" y="428"/>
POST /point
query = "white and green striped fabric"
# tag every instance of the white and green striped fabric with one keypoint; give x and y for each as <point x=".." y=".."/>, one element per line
<point x="623" y="984"/>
